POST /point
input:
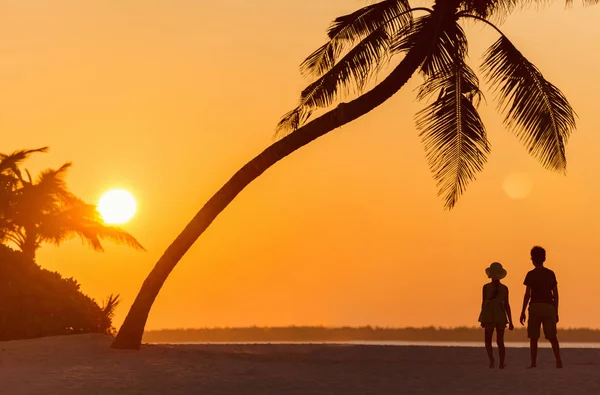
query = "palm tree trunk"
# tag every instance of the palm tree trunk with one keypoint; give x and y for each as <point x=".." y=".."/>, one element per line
<point x="29" y="246"/>
<point x="130" y="334"/>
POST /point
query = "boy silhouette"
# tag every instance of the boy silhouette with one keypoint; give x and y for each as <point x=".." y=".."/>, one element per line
<point x="542" y="296"/>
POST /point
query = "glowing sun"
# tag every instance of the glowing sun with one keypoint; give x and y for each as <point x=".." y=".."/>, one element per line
<point x="117" y="206"/>
<point x="517" y="186"/>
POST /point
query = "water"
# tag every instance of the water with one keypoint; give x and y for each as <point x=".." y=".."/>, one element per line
<point x="542" y="343"/>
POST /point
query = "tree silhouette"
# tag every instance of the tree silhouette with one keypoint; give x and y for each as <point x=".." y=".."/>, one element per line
<point x="39" y="211"/>
<point x="432" y="42"/>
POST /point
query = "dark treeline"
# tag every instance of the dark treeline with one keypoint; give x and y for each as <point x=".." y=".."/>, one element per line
<point x="348" y="334"/>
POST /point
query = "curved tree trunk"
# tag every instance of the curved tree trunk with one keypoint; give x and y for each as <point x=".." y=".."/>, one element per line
<point x="130" y="334"/>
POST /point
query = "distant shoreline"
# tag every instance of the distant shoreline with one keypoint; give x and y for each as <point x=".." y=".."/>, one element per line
<point x="295" y="334"/>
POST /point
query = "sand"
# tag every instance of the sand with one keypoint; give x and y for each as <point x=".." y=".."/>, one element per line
<point x="85" y="364"/>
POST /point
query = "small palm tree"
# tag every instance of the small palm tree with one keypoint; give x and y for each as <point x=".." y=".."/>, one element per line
<point x="108" y="314"/>
<point x="45" y="211"/>
<point x="432" y="42"/>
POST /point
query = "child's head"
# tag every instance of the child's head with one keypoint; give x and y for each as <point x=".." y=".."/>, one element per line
<point x="495" y="271"/>
<point x="538" y="256"/>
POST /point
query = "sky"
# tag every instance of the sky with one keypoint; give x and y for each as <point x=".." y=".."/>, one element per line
<point x="169" y="99"/>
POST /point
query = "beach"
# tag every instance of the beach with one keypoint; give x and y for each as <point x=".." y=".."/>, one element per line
<point x="85" y="364"/>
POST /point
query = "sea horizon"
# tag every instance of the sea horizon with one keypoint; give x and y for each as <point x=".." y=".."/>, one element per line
<point x="470" y="344"/>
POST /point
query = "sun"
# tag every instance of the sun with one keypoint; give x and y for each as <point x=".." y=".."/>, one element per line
<point x="117" y="206"/>
<point x="517" y="186"/>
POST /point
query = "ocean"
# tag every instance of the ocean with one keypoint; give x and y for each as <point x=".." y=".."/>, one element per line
<point x="542" y="343"/>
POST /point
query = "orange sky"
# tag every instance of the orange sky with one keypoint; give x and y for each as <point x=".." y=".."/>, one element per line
<point x="168" y="99"/>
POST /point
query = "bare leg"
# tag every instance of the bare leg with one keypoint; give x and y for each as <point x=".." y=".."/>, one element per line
<point x="533" y="346"/>
<point x="501" y="348"/>
<point x="556" y="350"/>
<point x="489" y="332"/>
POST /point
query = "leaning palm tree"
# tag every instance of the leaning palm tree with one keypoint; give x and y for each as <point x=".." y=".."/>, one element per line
<point x="46" y="211"/>
<point x="430" y="41"/>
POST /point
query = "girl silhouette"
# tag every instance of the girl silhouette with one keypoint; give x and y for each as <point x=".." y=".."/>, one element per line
<point x="495" y="312"/>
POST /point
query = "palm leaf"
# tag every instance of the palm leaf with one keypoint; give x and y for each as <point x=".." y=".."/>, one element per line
<point x="584" y="2"/>
<point x="12" y="161"/>
<point x="78" y="218"/>
<point x="448" y="41"/>
<point x="353" y="70"/>
<point x="535" y="110"/>
<point x="499" y="9"/>
<point x="110" y="306"/>
<point x="349" y="29"/>
<point x="453" y="134"/>
<point x="489" y="8"/>
<point x="52" y="182"/>
<point x="108" y="314"/>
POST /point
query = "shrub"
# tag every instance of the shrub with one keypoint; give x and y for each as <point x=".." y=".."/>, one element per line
<point x="36" y="302"/>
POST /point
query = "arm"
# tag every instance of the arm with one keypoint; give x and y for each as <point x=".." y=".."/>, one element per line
<point x="555" y="295"/>
<point x="482" y="300"/>
<point x="508" y="312"/>
<point x="482" y="296"/>
<point x="525" y="303"/>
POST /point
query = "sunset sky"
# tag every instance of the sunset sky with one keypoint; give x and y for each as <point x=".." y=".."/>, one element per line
<point x="168" y="98"/>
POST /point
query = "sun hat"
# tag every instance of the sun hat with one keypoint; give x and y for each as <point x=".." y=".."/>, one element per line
<point x="496" y="271"/>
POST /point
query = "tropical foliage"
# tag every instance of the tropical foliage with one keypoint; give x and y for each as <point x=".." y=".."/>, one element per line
<point x="454" y="136"/>
<point x="44" y="210"/>
<point x="35" y="302"/>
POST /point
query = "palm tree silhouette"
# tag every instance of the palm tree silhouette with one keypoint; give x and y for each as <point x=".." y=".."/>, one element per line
<point x="433" y="43"/>
<point x="10" y="175"/>
<point x="39" y="211"/>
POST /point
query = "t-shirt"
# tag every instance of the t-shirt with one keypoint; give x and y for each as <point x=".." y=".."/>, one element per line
<point x="541" y="281"/>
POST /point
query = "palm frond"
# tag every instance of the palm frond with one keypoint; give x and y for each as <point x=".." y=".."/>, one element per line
<point x="367" y="19"/>
<point x="492" y="8"/>
<point x="500" y="9"/>
<point x="52" y="183"/>
<point x="43" y="196"/>
<point x="535" y="110"/>
<point x="453" y="134"/>
<point x="349" y="29"/>
<point x="108" y="314"/>
<point x="110" y="306"/>
<point x="11" y="162"/>
<point x="54" y="176"/>
<point x="116" y="235"/>
<point x="569" y="3"/>
<point x="353" y="70"/>
<point x="78" y="218"/>
<point x="448" y="43"/>
<point x="293" y="119"/>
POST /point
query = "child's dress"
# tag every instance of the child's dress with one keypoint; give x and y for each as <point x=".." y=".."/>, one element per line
<point x="492" y="313"/>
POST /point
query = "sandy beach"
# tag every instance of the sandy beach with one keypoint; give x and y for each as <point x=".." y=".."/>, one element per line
<point x="85" y="365"/>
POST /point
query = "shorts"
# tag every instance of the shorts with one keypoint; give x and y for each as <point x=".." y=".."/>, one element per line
<point x="541" y="314"/>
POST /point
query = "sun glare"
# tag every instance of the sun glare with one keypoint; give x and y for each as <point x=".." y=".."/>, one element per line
<point x="517" y="186"/>
<point x="117" y="206"/>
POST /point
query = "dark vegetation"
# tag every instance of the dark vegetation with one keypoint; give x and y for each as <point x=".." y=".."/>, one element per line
<point x="36" y="302"/>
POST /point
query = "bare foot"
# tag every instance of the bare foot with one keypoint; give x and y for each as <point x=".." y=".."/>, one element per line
<point x="492" y="364"/>
<point x="559" y="365"/>
<point x="532" y="366"/>
<point x="501" y="366"/>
